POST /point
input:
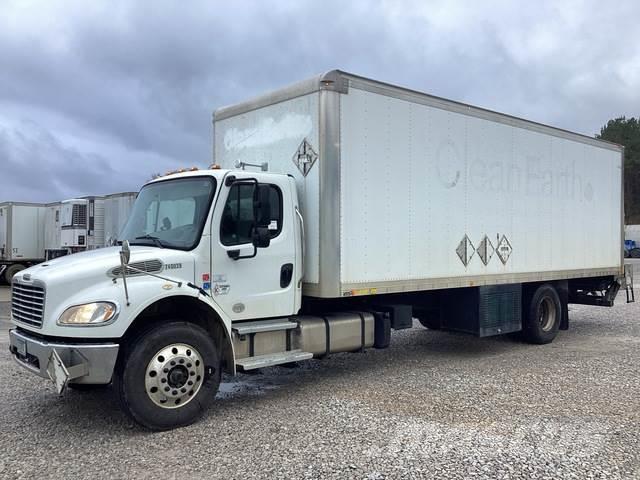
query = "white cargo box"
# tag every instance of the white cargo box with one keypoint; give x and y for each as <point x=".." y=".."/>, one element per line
<point x="22" y="231"/>
<point x="403" y="191"/>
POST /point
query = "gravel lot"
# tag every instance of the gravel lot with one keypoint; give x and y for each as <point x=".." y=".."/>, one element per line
<point x="434" y="405"/>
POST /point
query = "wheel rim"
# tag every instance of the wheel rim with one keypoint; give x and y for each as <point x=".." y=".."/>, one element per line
<point x="547" y="314"/>
<point x="174" y="375"/>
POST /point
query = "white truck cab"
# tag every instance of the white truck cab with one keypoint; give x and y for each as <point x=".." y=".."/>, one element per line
<point x="371" y="205"/>
<point x="191" y="236"/>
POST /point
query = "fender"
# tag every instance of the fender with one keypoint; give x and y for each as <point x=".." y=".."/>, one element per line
<point x="216" y="314"/>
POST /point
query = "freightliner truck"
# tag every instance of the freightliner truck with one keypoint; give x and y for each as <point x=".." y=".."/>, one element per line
<point x="338" y="209"/>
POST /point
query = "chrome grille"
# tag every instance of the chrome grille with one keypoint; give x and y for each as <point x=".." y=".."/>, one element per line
<point x="27" y="303"/>
<point x="148" y="266"/>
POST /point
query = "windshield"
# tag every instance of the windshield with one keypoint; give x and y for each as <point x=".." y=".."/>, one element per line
<point x="171" y="213"/>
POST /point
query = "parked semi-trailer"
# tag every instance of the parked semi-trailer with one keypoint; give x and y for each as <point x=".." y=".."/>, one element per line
<point x="85" y="223"/>
<point x="33" y="232"/>
<point x="21" y="237"/>
<point x="339" y="208"/>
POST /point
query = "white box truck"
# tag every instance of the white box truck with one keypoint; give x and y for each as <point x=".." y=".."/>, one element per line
<point x="21" y="237"/>
<point x="338" y="209"/>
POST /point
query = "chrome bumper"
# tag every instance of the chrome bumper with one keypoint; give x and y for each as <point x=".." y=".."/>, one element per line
<point x="93" y="363"/>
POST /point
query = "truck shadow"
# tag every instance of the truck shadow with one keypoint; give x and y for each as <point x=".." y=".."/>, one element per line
<point x="417" y="349"/>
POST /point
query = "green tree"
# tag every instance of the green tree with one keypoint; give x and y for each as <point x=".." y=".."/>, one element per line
<point x="626" y="132"/>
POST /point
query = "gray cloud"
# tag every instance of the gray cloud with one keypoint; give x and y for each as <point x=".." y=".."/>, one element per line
<point x="94" y="97"/>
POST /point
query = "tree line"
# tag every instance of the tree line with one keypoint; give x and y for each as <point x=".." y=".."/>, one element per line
<point x="626" y="132"/>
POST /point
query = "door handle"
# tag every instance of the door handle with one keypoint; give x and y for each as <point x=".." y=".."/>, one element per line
<point x="286" y="274"/>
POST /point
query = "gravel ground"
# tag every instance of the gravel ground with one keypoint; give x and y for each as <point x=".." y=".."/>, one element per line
<point x="433" y="405"/>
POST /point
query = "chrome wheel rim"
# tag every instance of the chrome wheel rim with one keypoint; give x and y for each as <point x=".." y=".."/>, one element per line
<point x="547" y="314"/>
<point x="174" y="375"/>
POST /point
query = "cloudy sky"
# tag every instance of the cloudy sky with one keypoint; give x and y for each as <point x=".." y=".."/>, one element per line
<point x="96" y="96"/>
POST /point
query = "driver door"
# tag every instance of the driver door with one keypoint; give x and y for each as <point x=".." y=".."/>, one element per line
<point x="263" y="285"/>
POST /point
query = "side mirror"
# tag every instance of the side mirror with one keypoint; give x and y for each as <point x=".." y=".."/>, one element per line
<point x="262" y="206"/>
<point x="261" y="237"/>
<point x="125" y="253"/>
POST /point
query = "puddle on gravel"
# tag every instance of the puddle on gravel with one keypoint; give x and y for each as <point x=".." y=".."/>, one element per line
<point x="234" y="387"/>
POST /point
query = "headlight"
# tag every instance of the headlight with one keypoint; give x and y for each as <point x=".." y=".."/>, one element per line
<point x="88" y="314"/>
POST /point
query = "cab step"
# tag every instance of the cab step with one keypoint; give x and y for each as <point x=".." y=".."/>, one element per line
<point x="245" y="328"/>
<point x="262" y="361"/>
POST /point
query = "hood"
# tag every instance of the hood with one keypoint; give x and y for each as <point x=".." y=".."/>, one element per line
<point x="88" y="277"/>
<point x="88" y="264"/>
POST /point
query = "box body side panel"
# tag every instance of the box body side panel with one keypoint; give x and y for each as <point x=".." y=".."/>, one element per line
<point x="274" y="134"/>
<point x="25" y="228"/>
<point x="52" y="230"/>
<point x="417" y="179"/>
<point x="116" y="213"/>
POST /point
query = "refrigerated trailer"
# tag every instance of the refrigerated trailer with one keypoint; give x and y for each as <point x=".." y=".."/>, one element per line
<point x="21" y="237"/>
<point x="337" y="210"/>
<point x="86" y="223"/>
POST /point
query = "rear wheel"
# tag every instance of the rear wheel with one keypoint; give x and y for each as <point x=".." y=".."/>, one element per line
<point x="634" y="253"/>
<point x="542" y="319"/>
<point x="168" y="376"/>
<point x="11" y="271"/>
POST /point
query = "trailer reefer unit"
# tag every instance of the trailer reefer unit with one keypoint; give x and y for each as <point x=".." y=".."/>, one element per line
<point x="21" y="236"/>
<point x="339" y="209"/>
<point x="403" y="191"/>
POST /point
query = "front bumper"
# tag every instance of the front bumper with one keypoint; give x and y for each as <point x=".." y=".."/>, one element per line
<point x="92" y="363"/>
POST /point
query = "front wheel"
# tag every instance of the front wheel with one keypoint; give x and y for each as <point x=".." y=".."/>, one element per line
<point x="168" y="376"/>
<point x="542" y="318"/>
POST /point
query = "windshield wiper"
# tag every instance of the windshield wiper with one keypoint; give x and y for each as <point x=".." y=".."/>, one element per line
<point x="155" y="240"/>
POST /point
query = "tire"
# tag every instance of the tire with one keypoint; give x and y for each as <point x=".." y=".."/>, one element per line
<point x="543" y="315"/>
<point x="146" y="371"/>
<point x="634" y="253"/>
<point x="11" y="271"/>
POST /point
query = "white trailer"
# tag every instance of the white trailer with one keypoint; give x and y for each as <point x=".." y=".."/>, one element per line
<point x="345" y="208"/>
<point x="86" y="223"/>
<point x="117" y="208"/>
<point x="21" y="237"/>
<point x="53" y="231"/>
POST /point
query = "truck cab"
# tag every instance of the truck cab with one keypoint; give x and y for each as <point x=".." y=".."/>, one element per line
<point x="205" y="249"/>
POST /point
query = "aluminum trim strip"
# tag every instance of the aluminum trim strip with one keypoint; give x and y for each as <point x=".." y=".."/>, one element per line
<point x="474" y="281"/>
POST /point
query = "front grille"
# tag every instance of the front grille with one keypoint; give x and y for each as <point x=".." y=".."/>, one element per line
<point x="27" y="304"/>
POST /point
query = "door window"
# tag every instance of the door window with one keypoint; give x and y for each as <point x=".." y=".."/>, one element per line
<point x="237" y="223"/>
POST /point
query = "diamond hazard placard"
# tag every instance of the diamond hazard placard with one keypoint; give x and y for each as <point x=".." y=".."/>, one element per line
<point x="465" y="250"/>
<point x="485" y="250"/>
<point x="504" y="249"/>
<point x="305" y="157"/>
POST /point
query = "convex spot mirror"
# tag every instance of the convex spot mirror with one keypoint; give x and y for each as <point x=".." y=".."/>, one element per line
<point x="125" y="253"/>
<point x="262" y="206"/>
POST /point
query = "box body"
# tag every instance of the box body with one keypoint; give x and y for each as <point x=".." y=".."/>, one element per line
<point x="402" y="191"/>
<point x="22" y="231"/>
